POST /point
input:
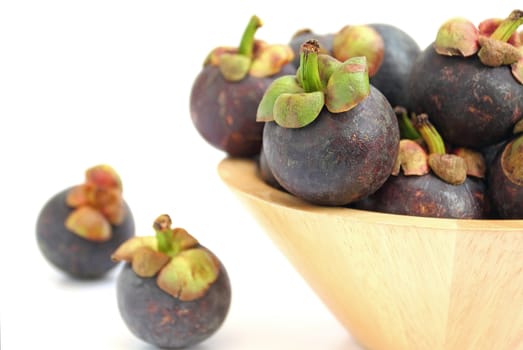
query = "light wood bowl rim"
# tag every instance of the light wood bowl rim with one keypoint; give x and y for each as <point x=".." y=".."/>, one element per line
<point x="241" y="175"/>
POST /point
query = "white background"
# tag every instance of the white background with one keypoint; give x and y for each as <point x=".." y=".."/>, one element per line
<point x="90" y="82"/>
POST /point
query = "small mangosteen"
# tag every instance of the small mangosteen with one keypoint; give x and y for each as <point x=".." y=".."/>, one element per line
<point x="227" y="91"/>
<point x="390" y="54"/>
<point x="465" y="83"/>
<point x="329" y="137"/>
<point x="506" y="180"/>
<point x="78" y="229"/>
<point x="433" y="184"/>
<point x="172" y="292"/>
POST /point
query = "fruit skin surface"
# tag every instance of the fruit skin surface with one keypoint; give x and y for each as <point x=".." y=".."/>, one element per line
<point x="401" y="51"/>
<point x="338" y="158"/>
<point x="429" y="196"/>
<point x="70" y="253"/>
<point x="505" y="193"/>
<point x="470" y="104"/>
<point x="265" y="172"/>
<point x="164" y="321"/>
<point x="224" y="112"/>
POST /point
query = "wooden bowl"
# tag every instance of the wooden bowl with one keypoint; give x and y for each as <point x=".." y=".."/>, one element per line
<point x="394" y="281"/>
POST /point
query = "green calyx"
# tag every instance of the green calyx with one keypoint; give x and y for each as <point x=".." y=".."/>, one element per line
<point x="450" y="168"/>
<point x="235" y="66"/>
<point x="359" y="40"/>
<point x="496" y="41"/>
<point x="251" y="57"/>
<point x="182" y="268"/>
<point x="321" y="80"/>
<point x="457" y="37"/>
<point x="495" y="50"/>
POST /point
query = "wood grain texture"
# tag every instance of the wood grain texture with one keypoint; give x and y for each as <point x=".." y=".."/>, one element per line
<point x="394" y="281"/>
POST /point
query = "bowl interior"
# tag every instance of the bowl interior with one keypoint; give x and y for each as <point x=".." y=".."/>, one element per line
<point x="395" y="281"/>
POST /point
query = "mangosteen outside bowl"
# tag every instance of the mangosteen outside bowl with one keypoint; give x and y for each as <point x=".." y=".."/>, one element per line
<point x="396" y="281"/>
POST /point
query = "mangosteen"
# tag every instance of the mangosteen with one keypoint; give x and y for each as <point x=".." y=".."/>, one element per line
<point x="389" y="50"/>
<point x="172" y="292"/>
<point x="228" y="89"/>
<point x="400" y="51"/>
<point x="429" y="196"/>
<point x="427" y="181"/>
<point x="78" y="228"/>
<point x="506" y="180"/>
<point x="467" y="81"/>
<point x="329" y="137"/>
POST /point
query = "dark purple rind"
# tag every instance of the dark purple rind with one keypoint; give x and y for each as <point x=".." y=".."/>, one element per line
<point x="400" y="53"/>
<point x="470" y="104"/>
<point x="429" y="196"/>
<point x="506" y="196"/>
<point x="224" y="112"/>
<point x="337" y="159"/>
<point x="70" y="253"/>
<point x="265" y="172"/>
<point x="164" y="321"/>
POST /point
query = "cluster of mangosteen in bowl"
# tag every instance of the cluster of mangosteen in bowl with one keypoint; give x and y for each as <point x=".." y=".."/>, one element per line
<point x="368" y="120"/>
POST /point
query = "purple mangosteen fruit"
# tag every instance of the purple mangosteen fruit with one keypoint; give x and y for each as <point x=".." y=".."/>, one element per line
<point x="429" y="196"/>
<point x="469" y="81"/>
<point x="400" y="51"/>
<point x="228" y="89"/>
<point x="505" y="180"/>
<point x="329" y="137"/>
<point x="427" y="181"/>
<point x="78" y="228"/>
<point x="172" y="292"/>
<point x="389" y="50"/>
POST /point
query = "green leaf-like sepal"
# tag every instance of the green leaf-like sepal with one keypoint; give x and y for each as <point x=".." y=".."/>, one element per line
<point x="298" y="109"/>
<point x="189" y="274"/>
<point x="128" y="249"/>
<point x="234" y="67"/>
<point x="348" y="85"/>
<point x="285" y="84"/>
<point x="457" y="37"/>
<point x="326" y="66"/>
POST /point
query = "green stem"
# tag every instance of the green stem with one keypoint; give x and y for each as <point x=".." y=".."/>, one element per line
<point x="429" y="134"/>
<point x="309" y="69"/>
<point x="247" y="43"/>
<point x="407" y="129"/>
<point x="508" y="26"/>
<point x="164" y="236"/>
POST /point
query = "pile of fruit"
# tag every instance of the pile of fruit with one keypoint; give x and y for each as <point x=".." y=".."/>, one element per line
<point x="368" y="120"/>
<point x="360" y="118"/>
